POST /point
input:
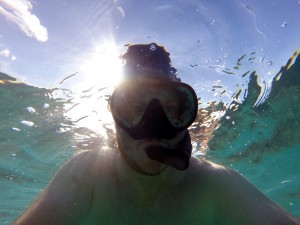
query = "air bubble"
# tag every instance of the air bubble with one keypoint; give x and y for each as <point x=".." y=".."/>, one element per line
<point x="16" y="129"/>
<point x="27" y="123"/>
<point x="213" y="22"/>
<point x="139" y="67"/>
<point x="31" y="109"/>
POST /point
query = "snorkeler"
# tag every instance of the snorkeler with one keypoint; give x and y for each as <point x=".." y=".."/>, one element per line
<point x="151" y="178"/>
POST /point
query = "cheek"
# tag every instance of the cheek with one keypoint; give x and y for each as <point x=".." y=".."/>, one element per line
<point x="120" y="138"/>
<point x="125" y="142"/>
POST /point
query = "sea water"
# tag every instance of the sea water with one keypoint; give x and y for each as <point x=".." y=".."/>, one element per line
<point x="257" y="135"/>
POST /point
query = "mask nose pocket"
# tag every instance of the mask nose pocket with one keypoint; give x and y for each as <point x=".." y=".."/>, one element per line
<point x="154" y="124"/>
<point x="155" y="120"/>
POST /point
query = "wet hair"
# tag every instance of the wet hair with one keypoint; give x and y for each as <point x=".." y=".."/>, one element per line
<point x="141" y="57"/>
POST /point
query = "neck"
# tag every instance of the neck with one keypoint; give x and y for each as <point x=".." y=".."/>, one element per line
<point x="144" y="185"/>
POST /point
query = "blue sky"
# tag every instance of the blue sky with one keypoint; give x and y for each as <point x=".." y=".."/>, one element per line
<point x="42" y="42"/>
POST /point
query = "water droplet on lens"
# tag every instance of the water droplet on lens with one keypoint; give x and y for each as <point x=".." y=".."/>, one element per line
<point x="152" y="47"/>
<point x="139" y="67"/>
<point x="284" y="24"/>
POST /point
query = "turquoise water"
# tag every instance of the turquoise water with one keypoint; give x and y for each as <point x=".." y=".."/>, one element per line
<point x="257" y="133"/>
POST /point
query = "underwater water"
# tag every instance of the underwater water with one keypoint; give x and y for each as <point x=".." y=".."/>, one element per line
<point x="256" y="133"/>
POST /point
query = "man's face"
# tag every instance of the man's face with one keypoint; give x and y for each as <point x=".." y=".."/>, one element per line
<point x="152" y="117"/>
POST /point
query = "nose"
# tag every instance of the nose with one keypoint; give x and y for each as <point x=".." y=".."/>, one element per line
<point x="154" y="124"/>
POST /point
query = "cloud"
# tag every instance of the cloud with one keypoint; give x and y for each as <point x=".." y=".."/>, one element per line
<point x="6" y="53"/>
<point x="19" y="13"/>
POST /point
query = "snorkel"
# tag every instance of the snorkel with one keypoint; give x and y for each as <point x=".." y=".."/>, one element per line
<point x="149" y="67"/>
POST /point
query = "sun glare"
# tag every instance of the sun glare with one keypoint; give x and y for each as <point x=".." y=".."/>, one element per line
<point x="100" y="69"/>
<point x="104" y="67"/>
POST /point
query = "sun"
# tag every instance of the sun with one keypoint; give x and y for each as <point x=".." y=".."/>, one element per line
<point x="100" y="71"/>
<point x="103" y="67"/>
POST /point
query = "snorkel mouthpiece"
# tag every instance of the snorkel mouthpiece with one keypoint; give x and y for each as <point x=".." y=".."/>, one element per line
<point x="178" y="158"/>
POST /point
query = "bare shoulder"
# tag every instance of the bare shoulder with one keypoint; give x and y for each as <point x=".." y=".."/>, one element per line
<point x="236" y="200"/>
<point x="211" y="176"/>
<point x="218" y="175"/>
<point x="87" y="160"/>
<point x="204" y="169"/>
<point x="198" y="163"/>
<point x="68" y="197"/>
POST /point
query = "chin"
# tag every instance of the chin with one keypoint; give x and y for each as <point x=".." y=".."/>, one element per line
<point x="153" y="168"/>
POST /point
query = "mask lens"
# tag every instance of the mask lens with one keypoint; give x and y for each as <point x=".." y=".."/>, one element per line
<point x="186" y="110"/>
<point x="126" y="108"/>
<point x="178" y="100"/>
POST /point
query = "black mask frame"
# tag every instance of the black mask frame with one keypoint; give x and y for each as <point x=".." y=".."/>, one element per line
<point x="154" y="123"/>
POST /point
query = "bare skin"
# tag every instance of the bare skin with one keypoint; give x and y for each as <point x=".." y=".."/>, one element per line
<point x="99" y="187"/>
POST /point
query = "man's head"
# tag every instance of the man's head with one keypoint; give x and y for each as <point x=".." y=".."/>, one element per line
<point x="153" y="109"/>
<point x="149" y="60"/>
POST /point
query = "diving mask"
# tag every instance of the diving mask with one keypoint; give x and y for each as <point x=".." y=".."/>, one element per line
<point x="151" y="109"/>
